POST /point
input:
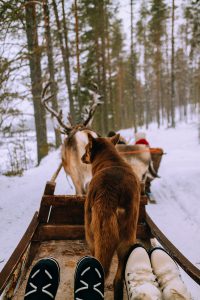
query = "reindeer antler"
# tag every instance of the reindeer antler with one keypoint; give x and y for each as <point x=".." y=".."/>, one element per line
<point x="96" y="102"/>
<point x="57" y="115"/>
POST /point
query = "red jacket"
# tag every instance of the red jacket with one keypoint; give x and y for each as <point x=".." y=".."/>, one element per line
<point x="142" y="141"/>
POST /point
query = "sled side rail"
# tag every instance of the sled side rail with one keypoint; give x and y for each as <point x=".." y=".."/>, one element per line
<point x="182" y="261"/>
<point x="14" y="260"/>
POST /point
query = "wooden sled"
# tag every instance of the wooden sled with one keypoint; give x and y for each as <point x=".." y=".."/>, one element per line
<point x="57" y="230"/>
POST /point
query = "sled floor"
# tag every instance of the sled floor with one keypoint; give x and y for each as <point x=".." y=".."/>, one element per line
<point x="67" y="253"/>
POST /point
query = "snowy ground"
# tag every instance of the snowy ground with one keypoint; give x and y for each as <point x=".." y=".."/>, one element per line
<point x="177" y="192"/>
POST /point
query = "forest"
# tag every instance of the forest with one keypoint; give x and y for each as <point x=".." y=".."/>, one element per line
<point x="146" y="64"/>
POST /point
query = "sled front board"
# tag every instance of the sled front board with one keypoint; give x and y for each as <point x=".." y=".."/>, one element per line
<point x="67" y="253"/>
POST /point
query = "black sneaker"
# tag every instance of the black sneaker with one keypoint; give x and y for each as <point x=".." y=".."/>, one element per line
<point x="89" y="279"/>
<point x="43" y="280"/>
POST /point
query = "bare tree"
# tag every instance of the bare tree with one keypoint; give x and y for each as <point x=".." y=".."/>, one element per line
<point x="65" y="58"/>
<point x="77" y="49"/>
<point x="34" y="56"/>
<point x="49" y="48"/>
<point x="133" y="71"/>
<point x="172" y="69"/>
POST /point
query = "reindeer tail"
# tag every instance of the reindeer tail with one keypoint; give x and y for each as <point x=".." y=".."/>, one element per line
<point x="106" y="236"/>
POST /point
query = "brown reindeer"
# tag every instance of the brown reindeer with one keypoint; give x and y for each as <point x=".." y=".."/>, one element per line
<point x="111" y="207"/>
<point x="75" y="141"/>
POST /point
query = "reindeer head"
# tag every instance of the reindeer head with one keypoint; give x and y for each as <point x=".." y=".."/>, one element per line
<point x="74" y="144"/>
<point x="95" y="145"/>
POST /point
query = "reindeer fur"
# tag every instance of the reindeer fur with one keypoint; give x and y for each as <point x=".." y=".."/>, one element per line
<point x="73" y="149"/>
<point x="111" y="207"/>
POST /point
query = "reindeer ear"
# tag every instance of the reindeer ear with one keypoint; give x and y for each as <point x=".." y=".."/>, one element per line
<point x="115" y="139"/>
<point x="91" y="139"/>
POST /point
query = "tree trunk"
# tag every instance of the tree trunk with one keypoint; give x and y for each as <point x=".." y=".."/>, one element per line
<point x="36" y="79"/>
<point x="77" y="51"/>
<point x="146" y="79"/>
<point x="167" y="104"/>
<point x="65" y="58"/>
<point x="110" y="91"/>
<point x="51" y="68"/>
<point x="158" y="87"/>
<point x="172" y="71"/>
<point x="133" y="72"/>
<point x="97" y="120"/>
<point x="103" y="59"/>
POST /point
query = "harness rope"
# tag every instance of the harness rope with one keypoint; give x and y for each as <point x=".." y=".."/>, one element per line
<point x="156" y="151"/>
<point x="55" y="175"/>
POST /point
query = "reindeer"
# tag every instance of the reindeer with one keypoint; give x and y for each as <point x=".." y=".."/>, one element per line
<point x="75" y="141"/>
<point x="111" y="206"/>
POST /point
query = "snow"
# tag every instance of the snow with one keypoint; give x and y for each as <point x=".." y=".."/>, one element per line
<point x="176" y="212"/>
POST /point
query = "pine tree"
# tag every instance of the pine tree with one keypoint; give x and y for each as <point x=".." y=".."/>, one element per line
<point x="192" y="13"/>
<point x="98" y="30"/>
<point x="63" y="43"/>
<point x="133" y="60"/>
<point x="143" y="40"/>
<point x="157" y="30"/>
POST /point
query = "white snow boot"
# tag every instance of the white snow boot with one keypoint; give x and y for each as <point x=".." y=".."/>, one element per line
<point x="167" y="273"/>
<point x="140" y="281"/>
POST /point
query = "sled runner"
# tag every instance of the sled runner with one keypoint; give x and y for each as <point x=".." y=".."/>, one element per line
<point x="57" y="230"/>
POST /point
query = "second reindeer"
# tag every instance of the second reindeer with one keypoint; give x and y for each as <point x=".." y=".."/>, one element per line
<point x="111" y="207"/>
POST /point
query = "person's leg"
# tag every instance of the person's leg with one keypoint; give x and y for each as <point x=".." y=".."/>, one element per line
<point x="43" y="280"/>
<point x="168" y="275"/>
<point x="140" y="281"/>
<point x="89" y="279"/>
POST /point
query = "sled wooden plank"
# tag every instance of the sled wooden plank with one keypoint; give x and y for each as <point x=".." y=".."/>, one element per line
<point x="70" y="210"/>
<point x="73" y="232"/>
<point x="184" y="263"/>
<point x="60" y="232"/>
<point x="15" y="258"/>
<point x="73" y="202"/>
<point x="62" y="200"/>
<point x="49" y="188"/>
<point x="67" y="215"/>
<point x="156" y="156"/>
<point x="142" y="214"/>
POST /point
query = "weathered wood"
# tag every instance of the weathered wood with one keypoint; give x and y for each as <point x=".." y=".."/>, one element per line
<point x="73" y="215"/>
<point x="43" y="213"/>
<point x="69" y="209"/>
<point x="15" y="258"/>
<point x="62" y="200"/>
<point x="72" y="232"/>
<point x="184" y="263"/>
<point x="49" y="188"/>
<point x="60" y="232"/>
<point x="156" y="156"/>
<point x="61" y="209"/>
<point x="142" y="214"/>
